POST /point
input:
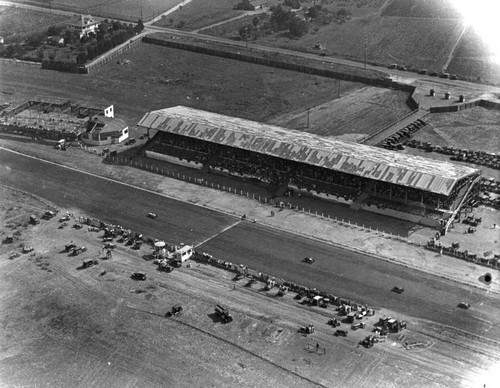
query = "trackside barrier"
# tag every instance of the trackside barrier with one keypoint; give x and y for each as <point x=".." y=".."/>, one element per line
<point x="274" y="203"/>
<point x="464" y="255"/>
<point x="229" y="266"/>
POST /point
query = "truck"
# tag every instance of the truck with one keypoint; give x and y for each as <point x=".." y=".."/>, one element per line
<point x="359" y="325"/>
<point x="88" y="263"/>
<point x="350" y="318"/>
<point x="223" y="314"/>
<point x="282" y="290"/>
<point x="176" y="310"/>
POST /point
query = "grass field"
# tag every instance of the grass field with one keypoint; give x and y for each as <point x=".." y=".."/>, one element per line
<point x="200" y="13"/>
<point x="422" y="9"/>
<point x="413" y="42"/>
<point x="473" y="59"/>
<point x="16" y="21"/>
<point x="159" y="77"/>
<point x="117" y="9"/>
<point x="475" y="129"/>
<point x="358" y="113"/>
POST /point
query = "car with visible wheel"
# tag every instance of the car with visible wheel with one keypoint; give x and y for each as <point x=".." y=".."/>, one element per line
<point x="398" y="290"/>
<point x="138" y="276"/>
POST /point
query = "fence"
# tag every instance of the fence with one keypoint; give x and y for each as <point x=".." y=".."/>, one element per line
<point x="464" y="255"/>
<point x="375" y="80"/>
<point x="20" y="62"/>
<point x="261" y="199"/>
<point x="108" y="56"/>
<point x="468" y="105"/>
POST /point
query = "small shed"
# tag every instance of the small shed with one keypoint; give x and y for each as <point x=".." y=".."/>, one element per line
<point x="183" y="253"/>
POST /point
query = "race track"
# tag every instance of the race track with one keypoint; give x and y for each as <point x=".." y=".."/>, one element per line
<point x="344" y="273"/>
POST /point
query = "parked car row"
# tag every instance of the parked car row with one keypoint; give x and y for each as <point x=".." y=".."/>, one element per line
<point x="423" y="71"/>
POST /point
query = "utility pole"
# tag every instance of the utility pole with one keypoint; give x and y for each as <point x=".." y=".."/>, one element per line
<point x="365" y="52"/>
<point x="308" y="110"/>
<point x="141" y="13"/>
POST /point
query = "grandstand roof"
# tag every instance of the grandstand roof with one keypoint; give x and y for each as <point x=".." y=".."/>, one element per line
<point x="352" y="158"/>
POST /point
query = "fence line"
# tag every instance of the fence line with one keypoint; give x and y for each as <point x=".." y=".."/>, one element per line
<point x="108" y="56"/>
<point x="21" y="62"/>
<point x="296" y="208"/>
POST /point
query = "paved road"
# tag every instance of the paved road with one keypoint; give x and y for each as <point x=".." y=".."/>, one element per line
<point x="347" y="274"/>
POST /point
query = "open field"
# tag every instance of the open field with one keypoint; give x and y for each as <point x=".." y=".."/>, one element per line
<point x="342" y="118"/>
<point x="159" y="77"/>
<point x="475" y="129"/>
<point x="440" y="9"/>
<point x="473" y="59"/>
<point x="411" y="42"/>
<point x="16" y="21"/>
<point x="200" y="13"/>
<point x="107" y="330"/>
<point x="119" y="9"/>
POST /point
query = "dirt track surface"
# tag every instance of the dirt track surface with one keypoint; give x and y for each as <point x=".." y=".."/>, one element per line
<point x="106" y="330"/>
<point x="124" y="322"/>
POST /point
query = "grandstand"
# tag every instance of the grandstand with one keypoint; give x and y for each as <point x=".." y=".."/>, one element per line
<point x="408" y="187"/>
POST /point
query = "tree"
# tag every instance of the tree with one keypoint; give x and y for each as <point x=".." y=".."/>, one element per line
<point x="82" y="57"/>
<point x="312" y="12"/>
<point x="244" y="32"/>
<point x="297" y="27"/>
<point x="255" y="21"/>
<point x="140" y="26"/>
<point x="55" y="30"/>
<point x="294" y="4"/>
<point x="40" y="53"/>
<point x="35" y="39"/>
<point x="244" y="6"/>
<point x="280" y="18"/>
<point x="69" y="37"/>
<point x="91" y="51"/>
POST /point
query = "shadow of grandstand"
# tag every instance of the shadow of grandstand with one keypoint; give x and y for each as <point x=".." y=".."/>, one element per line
<point x="304" y="202"/>
<point x="357" y="218"/>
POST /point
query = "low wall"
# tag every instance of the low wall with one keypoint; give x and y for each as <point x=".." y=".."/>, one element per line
<point x="173" y="160"/>
<point x="402" y="216"/>
<point x="20" y="62"/>
<point x="108" y="56"/>
<point x="467" y="105"/>
<point x="247" y="57"/>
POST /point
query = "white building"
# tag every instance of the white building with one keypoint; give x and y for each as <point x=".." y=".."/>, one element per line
<point x="83" y="25"/>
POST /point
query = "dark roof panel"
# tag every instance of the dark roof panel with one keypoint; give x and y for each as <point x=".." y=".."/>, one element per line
<point x="357" y="159"/>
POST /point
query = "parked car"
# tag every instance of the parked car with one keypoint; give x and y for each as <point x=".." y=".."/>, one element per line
<point x="138" y="276"/>
<point x="152" y="215"/>
<point x="398" y="290"/>
<point x="463" y="305"/>
<point x="309" y="260"/>
<point x="341" y="333"/>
